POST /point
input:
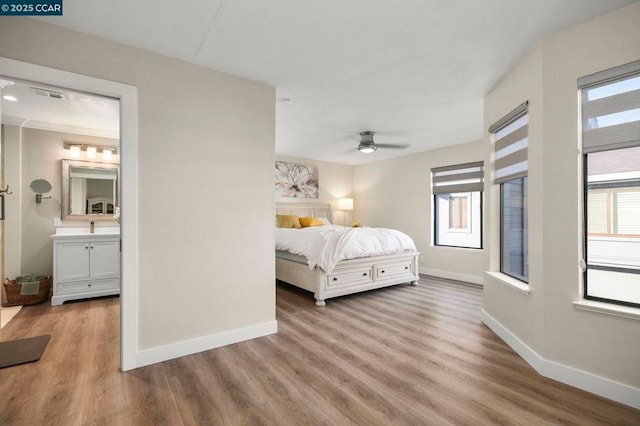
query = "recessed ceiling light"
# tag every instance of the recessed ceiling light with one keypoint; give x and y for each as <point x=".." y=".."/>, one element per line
<point x="9" y="98"/>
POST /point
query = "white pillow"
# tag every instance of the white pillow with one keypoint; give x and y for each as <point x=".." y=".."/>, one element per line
<point x="324" y="220"/>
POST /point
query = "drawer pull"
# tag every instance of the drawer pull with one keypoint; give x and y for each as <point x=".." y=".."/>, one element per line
<point x="88" y="285"/>
<point x="364" y="275"/>
<point x="406" y="267"/>
<point x="382" y="272"/>
<point x="335" y="278"/>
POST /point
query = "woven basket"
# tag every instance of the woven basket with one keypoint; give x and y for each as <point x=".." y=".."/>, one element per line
<point x="14" y="298"/>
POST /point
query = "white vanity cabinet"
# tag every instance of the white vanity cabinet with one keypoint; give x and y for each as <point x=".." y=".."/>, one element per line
<point x="84" y="266"/>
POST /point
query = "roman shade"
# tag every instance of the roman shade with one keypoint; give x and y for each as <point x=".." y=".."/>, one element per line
<point x="468" y="177"/>
<point x="511" y="144"/>
<point x="611" y="108"/>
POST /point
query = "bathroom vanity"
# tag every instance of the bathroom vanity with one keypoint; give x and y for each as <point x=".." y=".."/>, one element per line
<point x="85" y="266"/>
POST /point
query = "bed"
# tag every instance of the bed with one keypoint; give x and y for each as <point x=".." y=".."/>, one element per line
<point x="346" y="276"/>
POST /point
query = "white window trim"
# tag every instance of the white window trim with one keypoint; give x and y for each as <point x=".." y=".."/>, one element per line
<point x="611" y="309"/>
<point x="510" y="282"/>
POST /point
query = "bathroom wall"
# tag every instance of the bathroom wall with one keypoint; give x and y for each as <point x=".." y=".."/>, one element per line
<point x="36" y="154"/>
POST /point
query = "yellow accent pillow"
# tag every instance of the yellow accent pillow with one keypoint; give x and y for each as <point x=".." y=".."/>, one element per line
<point x="288" y="221"/>
<point x="310" y="221"/>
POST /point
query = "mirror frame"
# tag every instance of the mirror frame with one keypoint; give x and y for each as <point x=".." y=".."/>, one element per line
<point x="66" y="199"/>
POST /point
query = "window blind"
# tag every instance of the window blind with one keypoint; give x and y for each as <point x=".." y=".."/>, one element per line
<point x="511" y="144"/>
<point x="468" y="177"/>
<point x="611" y="108"/>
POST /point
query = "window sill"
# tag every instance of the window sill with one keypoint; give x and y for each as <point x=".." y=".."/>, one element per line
<point x="608" y="309"/>
<point x="510" y="282"/>
<point x="473" y="249"/>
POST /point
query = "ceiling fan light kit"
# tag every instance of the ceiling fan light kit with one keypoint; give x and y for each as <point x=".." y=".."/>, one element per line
<point x="367" y="145"/>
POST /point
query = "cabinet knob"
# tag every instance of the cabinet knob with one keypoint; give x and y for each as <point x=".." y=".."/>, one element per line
<point x="86" y="247"/>
<point x="335" y="278"/>
<point x="364" y="275"/>
<point x="406" y="267"/>
<point x="382" y="272"/>
<point x="89" y="285"/>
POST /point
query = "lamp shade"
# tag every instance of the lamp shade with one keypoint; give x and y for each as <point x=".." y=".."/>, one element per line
<point x="345" y="204"/>
<point x="107" y="154"/>
<point x="91" y="152"/>
<point x="75" y="151"/>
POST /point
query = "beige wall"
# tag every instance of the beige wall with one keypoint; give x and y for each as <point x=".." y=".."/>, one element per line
<point x="546" y="320"/>
<point x="205" y="174"/>
<point x="397" y="194"/>
<point x="335" y="181"/>
<point x="12" y="223"/>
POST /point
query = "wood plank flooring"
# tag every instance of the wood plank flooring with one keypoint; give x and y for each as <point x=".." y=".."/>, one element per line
<point x="397" y="356"/>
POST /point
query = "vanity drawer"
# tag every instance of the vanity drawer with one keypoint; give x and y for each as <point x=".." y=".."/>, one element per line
<point x="88" y="286"/>
<point x="383" y="271"/>
<point x="347" y="278"/>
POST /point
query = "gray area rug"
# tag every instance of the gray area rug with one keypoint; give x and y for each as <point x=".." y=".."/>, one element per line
<point x="22" y="351"/>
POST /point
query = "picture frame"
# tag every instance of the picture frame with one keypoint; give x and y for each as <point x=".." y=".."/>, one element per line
<point x="296" y="180"/>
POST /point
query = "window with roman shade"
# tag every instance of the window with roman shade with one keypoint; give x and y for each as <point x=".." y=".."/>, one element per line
<point x="457" y="192"/>
<point x="511" y="143"/>
<point x="610" y="108"/>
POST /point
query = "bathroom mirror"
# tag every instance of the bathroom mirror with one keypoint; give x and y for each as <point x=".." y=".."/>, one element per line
<point x="89" y="190"/>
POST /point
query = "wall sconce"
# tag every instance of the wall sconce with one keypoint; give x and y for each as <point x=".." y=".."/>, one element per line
<point x="40" y="186"/>
<point x="345" y="204"/>
<point x="91" y="150"/>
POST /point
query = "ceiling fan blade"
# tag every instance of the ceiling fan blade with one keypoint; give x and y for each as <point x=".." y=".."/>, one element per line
<point x="386" y="145"/>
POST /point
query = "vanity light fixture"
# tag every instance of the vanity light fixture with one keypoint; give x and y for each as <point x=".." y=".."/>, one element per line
<point x="9" y="98"/>
<point x="91" y="152"/>
<point x="75" y="150"/>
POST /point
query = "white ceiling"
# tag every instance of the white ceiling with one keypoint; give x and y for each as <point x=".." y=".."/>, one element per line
<point x="76" y="112"/>
<point x="413" y="71"/>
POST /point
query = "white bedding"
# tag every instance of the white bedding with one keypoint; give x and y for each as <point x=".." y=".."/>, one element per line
<point x="324" y="246"/>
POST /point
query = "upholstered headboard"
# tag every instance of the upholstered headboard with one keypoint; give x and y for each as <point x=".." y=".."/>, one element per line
<point x="305" y="209"/>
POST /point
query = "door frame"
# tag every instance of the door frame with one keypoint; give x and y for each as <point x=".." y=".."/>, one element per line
<point x="128" y="96"/>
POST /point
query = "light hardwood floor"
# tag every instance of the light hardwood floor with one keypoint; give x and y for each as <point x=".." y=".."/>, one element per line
<point x="400" y="355"/>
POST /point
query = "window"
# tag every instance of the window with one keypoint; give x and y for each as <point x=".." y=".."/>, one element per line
<point x="611" y="169"/>
<point x="514" y="237"/>
<point x="511" y="135"/>
<point x="457" y="192"/>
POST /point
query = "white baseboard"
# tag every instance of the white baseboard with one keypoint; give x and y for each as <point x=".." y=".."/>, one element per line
<point x="204" y="343"/>
<point x="474" y="279"/>
<point x="584" y="380"/>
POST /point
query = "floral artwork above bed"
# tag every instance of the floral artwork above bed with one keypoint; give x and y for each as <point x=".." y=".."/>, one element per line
<point x="296" y="180"/>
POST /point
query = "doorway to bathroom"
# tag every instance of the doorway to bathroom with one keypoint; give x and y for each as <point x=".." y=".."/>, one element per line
<point x="87" y="140"/>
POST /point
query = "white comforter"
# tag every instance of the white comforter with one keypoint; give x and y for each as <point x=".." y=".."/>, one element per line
<point x="325" y="245"/>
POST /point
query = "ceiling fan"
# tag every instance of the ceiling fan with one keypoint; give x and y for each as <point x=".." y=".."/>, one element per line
<point x="367" y="145"/>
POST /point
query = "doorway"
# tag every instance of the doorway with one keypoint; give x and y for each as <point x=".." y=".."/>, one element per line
<point x="127" y="96"/>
